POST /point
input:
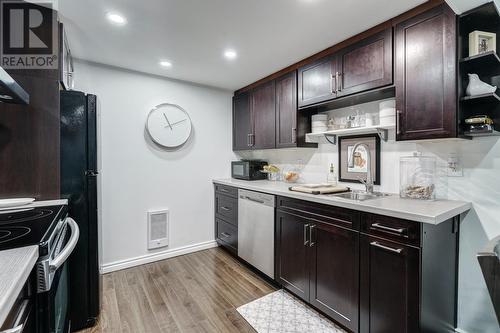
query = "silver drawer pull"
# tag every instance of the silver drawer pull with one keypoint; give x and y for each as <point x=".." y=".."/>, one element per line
<point x="225" y="208"/>
<point x="377" y="244"/>
<point x="223" y="190"/>
<point x="225" y="235"/>
<point x="311" y="243"/>
<point x="383" y="227"/>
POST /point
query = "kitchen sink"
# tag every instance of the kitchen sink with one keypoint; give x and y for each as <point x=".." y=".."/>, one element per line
<point x="360" y="196"/>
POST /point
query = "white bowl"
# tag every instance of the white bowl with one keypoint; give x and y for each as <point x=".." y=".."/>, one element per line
<point x="389" y="112"/>
<point x="387" y="104"/>
<point x="319" y="117"/>
<point x="386" y="121"/>
<point x="319" y="129"/>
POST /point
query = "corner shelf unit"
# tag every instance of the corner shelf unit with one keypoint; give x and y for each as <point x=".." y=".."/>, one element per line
<point x="486" y="65"/>
<point x="331" y="136"/>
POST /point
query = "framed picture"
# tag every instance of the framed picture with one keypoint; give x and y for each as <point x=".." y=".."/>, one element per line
<point x="352" y="175"/>
<point x="481" y="42"/>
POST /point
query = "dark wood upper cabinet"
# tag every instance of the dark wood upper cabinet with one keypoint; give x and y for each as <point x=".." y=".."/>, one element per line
<point x="334" y="273"/>
<point x="389" y="287"/>
<point x="286" y="111"/>
<point x="426" y="98"/>
<point x="264" y="116"/>
<point x="366" y="64"/>
<point x="291" y="259"/>
<point x="316" y="81"/>
<point x="242" y="122"/>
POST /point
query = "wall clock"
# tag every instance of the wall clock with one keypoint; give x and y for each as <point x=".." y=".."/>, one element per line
<point x="169" y="125"/>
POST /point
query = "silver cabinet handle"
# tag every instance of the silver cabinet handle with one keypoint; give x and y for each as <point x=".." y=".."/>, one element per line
<point x="332" y="78"/>
<point x="339" y="81"/>
<point x="388" y="248"/>
<point x="225" y="235"/>
<point x="311" y="243"/>
<point x="383" y="227"/>
<point x="294" y="135"/>
<point x="249" y="144"/>
<point x="306" y="241"/>
<point x="68" y="249"/>
<point x="223" y="190"/>
<point x="252" y="140"/>
<point x="336" y="82"/>
<point x="398" y="121"/>
<point x="225" y="208"/>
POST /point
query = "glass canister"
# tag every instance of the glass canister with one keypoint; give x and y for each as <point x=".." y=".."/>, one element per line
<point x="417" y="175"/>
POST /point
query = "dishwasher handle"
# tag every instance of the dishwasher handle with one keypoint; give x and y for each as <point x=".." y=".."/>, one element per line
<point x="252" y="199"/>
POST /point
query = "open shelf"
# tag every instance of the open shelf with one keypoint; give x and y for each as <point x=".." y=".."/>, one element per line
<point x="488" y="133"/>
<point x="480" y="63"/>
<point x="483" y="98"/>
<point x="380" y="129"/>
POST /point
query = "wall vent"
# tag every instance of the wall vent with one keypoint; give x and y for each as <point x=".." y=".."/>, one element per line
<point x="158" y="228"/>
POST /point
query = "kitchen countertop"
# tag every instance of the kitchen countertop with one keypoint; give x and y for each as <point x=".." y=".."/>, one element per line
<point x="433" y="212"/>
<point x="16" y="266"/>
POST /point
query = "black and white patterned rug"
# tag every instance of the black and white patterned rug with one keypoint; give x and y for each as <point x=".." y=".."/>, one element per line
<point x="280" y="312"/>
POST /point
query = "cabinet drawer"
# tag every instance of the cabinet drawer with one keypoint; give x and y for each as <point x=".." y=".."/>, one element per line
<point x="335" y="215"/>
<point x="228" y="234"/>
<point x="391" y="228"/>
<point x="226" y="190"/>
<point x="226" y="208"/>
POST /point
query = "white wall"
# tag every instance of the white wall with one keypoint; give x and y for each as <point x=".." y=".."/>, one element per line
<point x="480" y="184"/>
<point x="137" y="176"/>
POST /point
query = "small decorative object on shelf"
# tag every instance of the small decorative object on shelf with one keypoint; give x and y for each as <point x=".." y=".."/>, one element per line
<point x="479" y="124"/>
<point x="481" y="42"/>
<point x="417" y="177"/>
<point x="478" y="87"/>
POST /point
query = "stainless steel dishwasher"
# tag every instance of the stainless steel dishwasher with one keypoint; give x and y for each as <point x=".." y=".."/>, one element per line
<point x="256" y="230"/>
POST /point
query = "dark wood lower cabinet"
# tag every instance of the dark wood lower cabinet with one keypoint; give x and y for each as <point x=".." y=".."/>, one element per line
<point x="334" y="272"/>
<point x="369" y="273"/>
<point x="292" y="263"/>
<point x="389" y="286"/>
<point x="319" y="262"/>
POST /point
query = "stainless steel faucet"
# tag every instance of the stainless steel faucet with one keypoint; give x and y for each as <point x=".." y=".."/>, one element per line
<point x="369" y="179"/>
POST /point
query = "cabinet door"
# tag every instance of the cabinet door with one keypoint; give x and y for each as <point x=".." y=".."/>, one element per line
<point x="291" y="254"/>
<point x="366" y="64"/>
<point x="334" y="275"/>
<point x="286" y="111"/>
<point x="426" y="75"/>
<point x="242" y="122"/>
<point x="389" y="287"/>
<point x="264" y="116"/>
<point x="317" y="81"/>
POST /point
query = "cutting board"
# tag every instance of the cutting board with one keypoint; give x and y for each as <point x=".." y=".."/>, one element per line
<point x="318" y="189"/>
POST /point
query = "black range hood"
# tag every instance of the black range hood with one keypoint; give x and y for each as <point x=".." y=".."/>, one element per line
<point x="10" y="91"/>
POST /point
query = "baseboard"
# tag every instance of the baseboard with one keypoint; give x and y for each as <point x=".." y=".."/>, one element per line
<point x="145" y="259"/>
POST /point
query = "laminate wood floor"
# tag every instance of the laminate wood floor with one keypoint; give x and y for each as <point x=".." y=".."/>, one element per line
<point x="197" y="292"/>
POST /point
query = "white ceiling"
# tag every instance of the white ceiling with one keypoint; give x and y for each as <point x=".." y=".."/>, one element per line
<point x="192" y="34"/>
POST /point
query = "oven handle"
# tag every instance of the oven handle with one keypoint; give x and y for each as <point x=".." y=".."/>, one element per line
<point x="59" y="260"/>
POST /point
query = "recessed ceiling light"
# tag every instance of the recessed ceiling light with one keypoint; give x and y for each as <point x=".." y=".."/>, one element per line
<point x="165" y="63"/>
<point x="116" y="18"/>
<point x="230" y="54"/>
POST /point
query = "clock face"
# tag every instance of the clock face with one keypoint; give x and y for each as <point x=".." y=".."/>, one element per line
<point x="169" y="125"/>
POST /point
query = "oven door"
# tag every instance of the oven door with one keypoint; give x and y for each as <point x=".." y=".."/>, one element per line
<point x="53" y="304"/>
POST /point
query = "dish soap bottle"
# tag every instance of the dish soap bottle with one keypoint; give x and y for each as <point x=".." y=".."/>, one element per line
<point x="331" y="178"/>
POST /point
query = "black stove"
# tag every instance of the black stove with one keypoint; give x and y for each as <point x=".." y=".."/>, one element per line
<point x="30" y="226"/>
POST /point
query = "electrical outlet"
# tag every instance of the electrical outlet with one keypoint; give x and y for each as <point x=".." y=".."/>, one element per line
<point x="454" y="167"/>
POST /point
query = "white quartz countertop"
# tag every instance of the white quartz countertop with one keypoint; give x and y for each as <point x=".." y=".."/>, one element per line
<point x="433" y="212"/>
<point x="15" y="268"/>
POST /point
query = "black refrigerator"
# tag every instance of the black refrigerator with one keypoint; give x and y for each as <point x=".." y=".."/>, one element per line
<point x="79" y="186"/>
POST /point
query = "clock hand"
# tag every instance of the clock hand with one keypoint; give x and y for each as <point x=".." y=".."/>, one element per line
<point x="168" y="122"/>
<point x="180" y="121"/>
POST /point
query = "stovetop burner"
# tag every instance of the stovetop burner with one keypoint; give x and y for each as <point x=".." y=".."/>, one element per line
<point x="28" y="226"/>
<point x="23" y="215"/>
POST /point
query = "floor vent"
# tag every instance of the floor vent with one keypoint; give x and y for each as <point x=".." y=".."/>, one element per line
<point x="158" y="229"/>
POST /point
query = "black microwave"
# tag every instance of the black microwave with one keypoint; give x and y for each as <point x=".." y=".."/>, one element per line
<point x="248" y="169"/>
